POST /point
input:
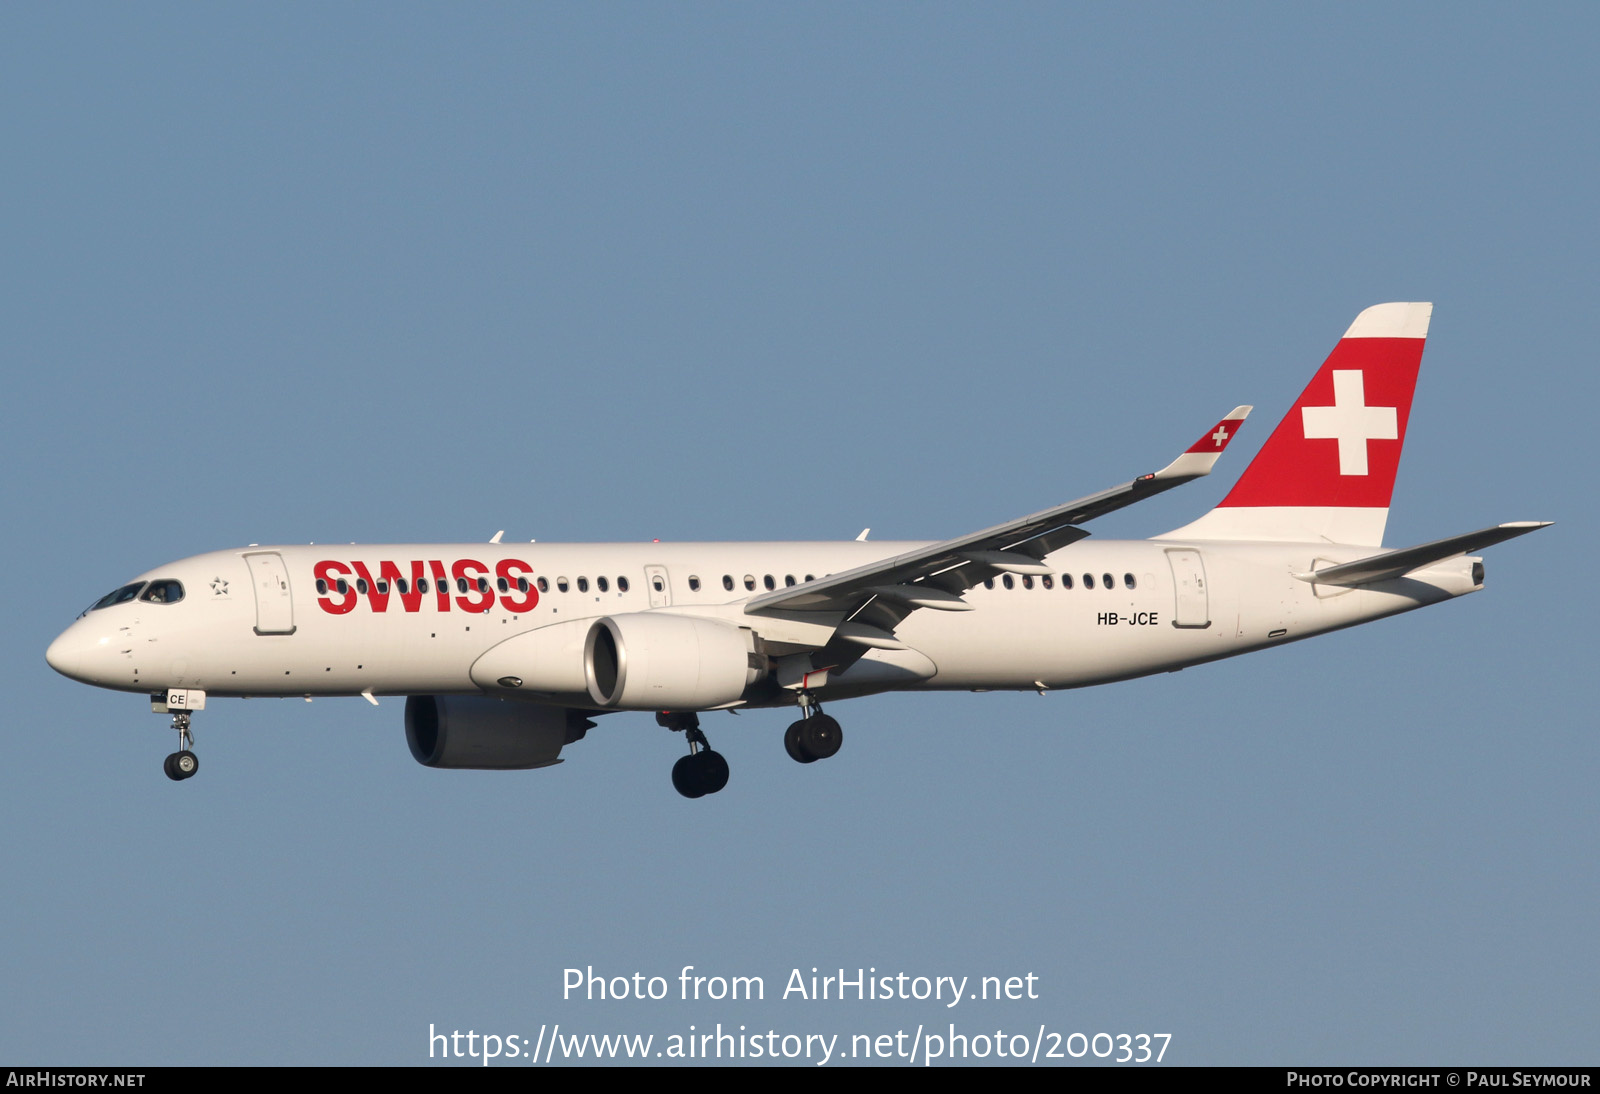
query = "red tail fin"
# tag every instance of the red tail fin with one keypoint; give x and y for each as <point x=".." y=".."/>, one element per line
<point x="1327" y="472"/>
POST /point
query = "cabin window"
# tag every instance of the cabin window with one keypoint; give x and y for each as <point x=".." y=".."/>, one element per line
<point x="561" y="584"/>
<point x="544" y="584"/>
<point x="1066" y="581"/>
<point x="788" y="579"/>
<point x="322" y="586"/>
<point x="504" y="585"/>
<point x="749" y="581"/>
<point x="1088" y="581"/>
<point x="727" y="582"/>
<point x="583" y="584"/>
<point x="694" y="584"/>
<point x="1127" y="579"/>
<point x="361" y="586"/>
<point x="602" y="584"/>
<point x="422" y="584"/>
<point x="1008" y="581"/>
<point x="1047" y="581"/>
<point x="383" y="587"/>
<point x="622" y="584"/>
<point x="522" y="584"/>
<point x="769" y="582"/>
<point x="1027" y="581"/>
<point x="1107" y="579"/>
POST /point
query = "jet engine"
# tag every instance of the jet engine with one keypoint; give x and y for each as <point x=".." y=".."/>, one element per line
<point x="656" y="661"/>
<point x="548" y="661"/>
<point x="473" y="731"/>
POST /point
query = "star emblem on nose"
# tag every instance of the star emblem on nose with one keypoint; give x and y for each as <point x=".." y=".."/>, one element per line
<point x="219" y="587"/>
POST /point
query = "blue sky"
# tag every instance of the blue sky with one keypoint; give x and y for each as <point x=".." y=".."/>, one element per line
<point x="296" y="273"/>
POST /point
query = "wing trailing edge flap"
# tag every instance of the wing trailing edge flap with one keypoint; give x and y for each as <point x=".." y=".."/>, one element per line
<point x="1397" y="563"/>
<point x="878" y="596"/>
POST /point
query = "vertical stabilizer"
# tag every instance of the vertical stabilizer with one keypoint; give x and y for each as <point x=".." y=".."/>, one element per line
<point x="1327" y="472"/>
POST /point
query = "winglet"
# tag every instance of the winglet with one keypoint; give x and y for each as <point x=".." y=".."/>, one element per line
<point x="1202" y="456"/>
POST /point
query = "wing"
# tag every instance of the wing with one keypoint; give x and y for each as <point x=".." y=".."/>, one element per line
<point x="1387" y="564"/>
<point x="877" y="596"/>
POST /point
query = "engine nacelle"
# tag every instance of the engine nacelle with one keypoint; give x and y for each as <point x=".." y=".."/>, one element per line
<point x="473" y="731"/>
<point x="656" y="661"/>
<point x="548" y="660"/>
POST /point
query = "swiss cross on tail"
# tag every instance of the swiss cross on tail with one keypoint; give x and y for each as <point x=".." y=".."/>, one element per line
<point x="1350" y="421"/>
<point x="1340" y="444"/>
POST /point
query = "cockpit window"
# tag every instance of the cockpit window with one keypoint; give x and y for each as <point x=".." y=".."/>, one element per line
<point x="163" y="592"/>
<point x="121" y="596"/>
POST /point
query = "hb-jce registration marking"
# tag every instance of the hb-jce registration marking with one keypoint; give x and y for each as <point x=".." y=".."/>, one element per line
<point x="1132" y="619"/>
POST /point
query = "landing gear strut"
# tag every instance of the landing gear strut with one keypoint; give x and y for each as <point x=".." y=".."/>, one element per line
<point x="816" y="736"/>
<point x="183" y="763"/>
<point x="703" y="771"/>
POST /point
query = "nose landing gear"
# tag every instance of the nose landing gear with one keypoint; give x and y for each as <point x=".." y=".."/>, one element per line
<point x="703" y="771"/>
<point x="183" y="763"/>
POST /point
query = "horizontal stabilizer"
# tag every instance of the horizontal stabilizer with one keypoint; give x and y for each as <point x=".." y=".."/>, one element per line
<point x="1380" y="567"/>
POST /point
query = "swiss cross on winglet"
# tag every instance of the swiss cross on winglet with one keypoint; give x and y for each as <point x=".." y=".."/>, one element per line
<point x="1199" y="457"/>
<point x="1216" y="440"/>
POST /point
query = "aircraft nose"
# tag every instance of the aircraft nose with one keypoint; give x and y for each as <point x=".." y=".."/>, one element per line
<point x="76" y="652"/>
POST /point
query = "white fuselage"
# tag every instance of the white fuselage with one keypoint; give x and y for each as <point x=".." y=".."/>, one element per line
<point x="254" y="622"/>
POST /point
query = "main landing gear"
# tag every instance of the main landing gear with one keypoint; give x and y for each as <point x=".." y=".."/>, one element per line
<point x="183" y="763"/>
<point x="816" y="736"/>
<point x="703" y="771"/>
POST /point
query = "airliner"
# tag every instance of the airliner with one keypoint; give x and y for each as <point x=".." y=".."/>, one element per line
<point x="507" y="653"/>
